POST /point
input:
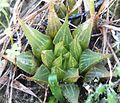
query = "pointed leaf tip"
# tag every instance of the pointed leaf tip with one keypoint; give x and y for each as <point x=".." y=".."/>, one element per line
<point x="54" y="23"/>
<point x="64" y="34"/>
<point x="36" y="39"/>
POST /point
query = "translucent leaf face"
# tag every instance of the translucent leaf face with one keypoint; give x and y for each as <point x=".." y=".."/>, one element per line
<point x="41" y="75"/>
<point x="64" y="34"/>
<point x="57" y="67"/>
<point x="27" y="62"/>
<point x="71" y="92"/>
<point x="69" y="61"/>
<point x="83" y="33"/>
<point x="55" y="88"/>
<point x="72" y="63"/>
<point x="60" y="49"/>
<point x="71" y="75"/>
<point x="89" y="58"/>
<point x="47" y="57"/>
<point x="75" y="49"/>
<point x="37" y="40"/>
<point x="54" y="23"/>
<point x="58" y="71"/>
<point x="58" y="62"/>
<point x="96" y="72"/>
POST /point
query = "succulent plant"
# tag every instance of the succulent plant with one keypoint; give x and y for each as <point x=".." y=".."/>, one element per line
<point x="64" y="55"/>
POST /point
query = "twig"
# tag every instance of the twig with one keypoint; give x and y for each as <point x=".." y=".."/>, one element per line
<point x="45" y="96"/>
<point x="110" y="68"/>
<point x="115" y="56"/>
<point x="34" y="14"/>
<point x="11" y="85"/>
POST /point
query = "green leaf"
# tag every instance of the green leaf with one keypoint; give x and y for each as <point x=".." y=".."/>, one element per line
<point x="13" y="52"/>
<point x="65" y="61"/>
<point x="55" y="88"/>
<point x="64" y="34"/>
<point x="27" y="62"/>
<point x="99" y="90"/>
<point x="54" y="23"/>
<point x="72" y="62"/>
<point x="89" y="58"/>
<point x="58" y="62"/>
<point x="96" y="72"/>
<point x="58" y="71"/>
<point x="83" y="33"/>
<point x="52" y="100"/>
<point x="4" y="3"/>
<point x="117" y="71"/>
<point x="71" y="92"/>
<point x="57" y="67"/>
<point x="47" y="57"/>
<point x="91" y="7"/>
<point x="111" y="96"/>
<point x="90" y="99"/>
<point x="41" y="74"/>
<point x="60" y="9"/>
<point x="75" y="49"/>
<point x="60" y="49"/>
<point x="70" y="4"/>
<point x="71" y="75"/>
<point x="37" y="40"/>
<point x="69" y="61"/>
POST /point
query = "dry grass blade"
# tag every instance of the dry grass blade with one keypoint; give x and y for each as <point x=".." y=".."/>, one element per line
<point x="21" y="87"/>
<point x="112" y="27"/>
<point x="76" y="6"/>
<point x="3" y="80"/>
<point x="2" y="66"/>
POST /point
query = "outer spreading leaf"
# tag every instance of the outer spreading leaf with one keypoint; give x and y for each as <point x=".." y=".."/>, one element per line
<point x="63" y="34"/>
<point x="111" y="96"/>
<point x="71" y="92"/>
<point x="55" y="88"/>
<point x="89" y="58"/>
<point x="60" y="49"/>
<point x="54" y="23"/>
<point x="27" y="62"/>
<point x="71" y="75"/>
<point x="37" y="40"/>
<point x="96" y="72"/>
<point x="41" y="74"/>
<point x="75" y="49"/>
<point x="47" y="57"/>
<point x="83" y="33"/>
